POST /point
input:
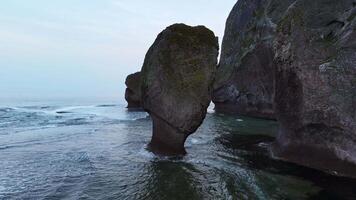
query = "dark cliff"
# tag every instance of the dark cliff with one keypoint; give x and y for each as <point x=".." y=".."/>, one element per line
<point x="245" y="79"/>
<point x="295" y="61"/>
<point x="315" y="96"/>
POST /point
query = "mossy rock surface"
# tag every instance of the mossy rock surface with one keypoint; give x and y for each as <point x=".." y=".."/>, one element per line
<point x="177" y="76"/>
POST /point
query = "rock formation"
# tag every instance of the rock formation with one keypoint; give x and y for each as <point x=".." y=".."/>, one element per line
<point x="316" y="85"/>
<point x="177" y="78"/>
<point x="290" y="60"/>
<point x="295" y="60"/>
<point x="245" y="78"/>
<point x="133" y="90"/>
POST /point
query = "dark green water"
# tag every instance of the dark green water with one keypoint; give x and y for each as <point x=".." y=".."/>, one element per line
<point x="98" y="152"/>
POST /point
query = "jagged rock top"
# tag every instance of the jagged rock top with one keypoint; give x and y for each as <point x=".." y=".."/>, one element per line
<point x="182" y="34"/>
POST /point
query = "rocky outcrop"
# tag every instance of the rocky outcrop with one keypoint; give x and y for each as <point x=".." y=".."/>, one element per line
<point x="316" y="85"/>
<point x="245" y="78"/>
<point x="177" y="78"/>
<point x="133" y="90"/>
<point x="295" y="61"/>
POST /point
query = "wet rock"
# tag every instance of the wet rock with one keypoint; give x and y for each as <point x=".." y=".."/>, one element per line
<point x="316" y="85"/>
<point x="177" y="78"/>
<point x="245" y="78"/>
<point x="133" y="91"/>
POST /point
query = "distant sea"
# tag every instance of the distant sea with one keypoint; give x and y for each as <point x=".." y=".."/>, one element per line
<point x="97" y="150"/>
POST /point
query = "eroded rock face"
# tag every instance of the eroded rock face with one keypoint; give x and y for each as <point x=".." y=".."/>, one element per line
<point x="316" y="85"/>
<point x="245" y="78"/>
<point x="133" y="91"/>
<point x="177" y="78"/>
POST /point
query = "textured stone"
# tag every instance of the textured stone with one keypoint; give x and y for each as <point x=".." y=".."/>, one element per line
<point x="177" y="79"/>
<point x="316" y="85"/>
<point x="133" y="90"/>
<point x="246" y="64"/>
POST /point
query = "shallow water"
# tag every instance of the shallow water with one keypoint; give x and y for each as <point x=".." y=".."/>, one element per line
<point x="54" y="151"/>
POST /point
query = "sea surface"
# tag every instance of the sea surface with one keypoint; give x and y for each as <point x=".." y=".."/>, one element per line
<point x="98" y="151"/>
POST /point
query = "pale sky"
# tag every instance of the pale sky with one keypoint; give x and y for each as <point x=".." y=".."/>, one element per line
<point x="86" y="48"/>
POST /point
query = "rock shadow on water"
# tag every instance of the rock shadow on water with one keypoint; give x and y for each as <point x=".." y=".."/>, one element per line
<point x="254" y="149"/>
<point x="170" y="180"/>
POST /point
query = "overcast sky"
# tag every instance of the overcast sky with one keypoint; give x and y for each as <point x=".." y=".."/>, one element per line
<point x="85" y="48"/>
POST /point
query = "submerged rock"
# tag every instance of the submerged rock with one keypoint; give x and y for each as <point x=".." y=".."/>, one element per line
<point x="177" y="78"/>
<point x="133" y="90"/>
<point x="316" y="85"/>
<point x="245" y="78"/>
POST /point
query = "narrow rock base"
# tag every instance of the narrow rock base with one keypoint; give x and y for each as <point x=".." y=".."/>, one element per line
<point x="166" y="140"/>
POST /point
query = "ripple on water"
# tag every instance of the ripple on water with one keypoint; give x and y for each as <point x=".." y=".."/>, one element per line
<point x="99" y="152"/>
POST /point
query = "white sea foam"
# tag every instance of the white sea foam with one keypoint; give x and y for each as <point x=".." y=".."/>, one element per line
<point x="194" y="141"/>
<point x="145" y="153"/>
<point x="211" y="108"/>
<point x="70" y="108"/>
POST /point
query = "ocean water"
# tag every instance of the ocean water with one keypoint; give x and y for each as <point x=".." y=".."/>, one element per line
<point x="98" y="151"/>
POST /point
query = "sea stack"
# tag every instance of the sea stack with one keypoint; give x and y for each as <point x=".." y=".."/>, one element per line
<point x="177" y="78"/>
<point x="316" y="85"/>
<point x="133" y="91"/>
